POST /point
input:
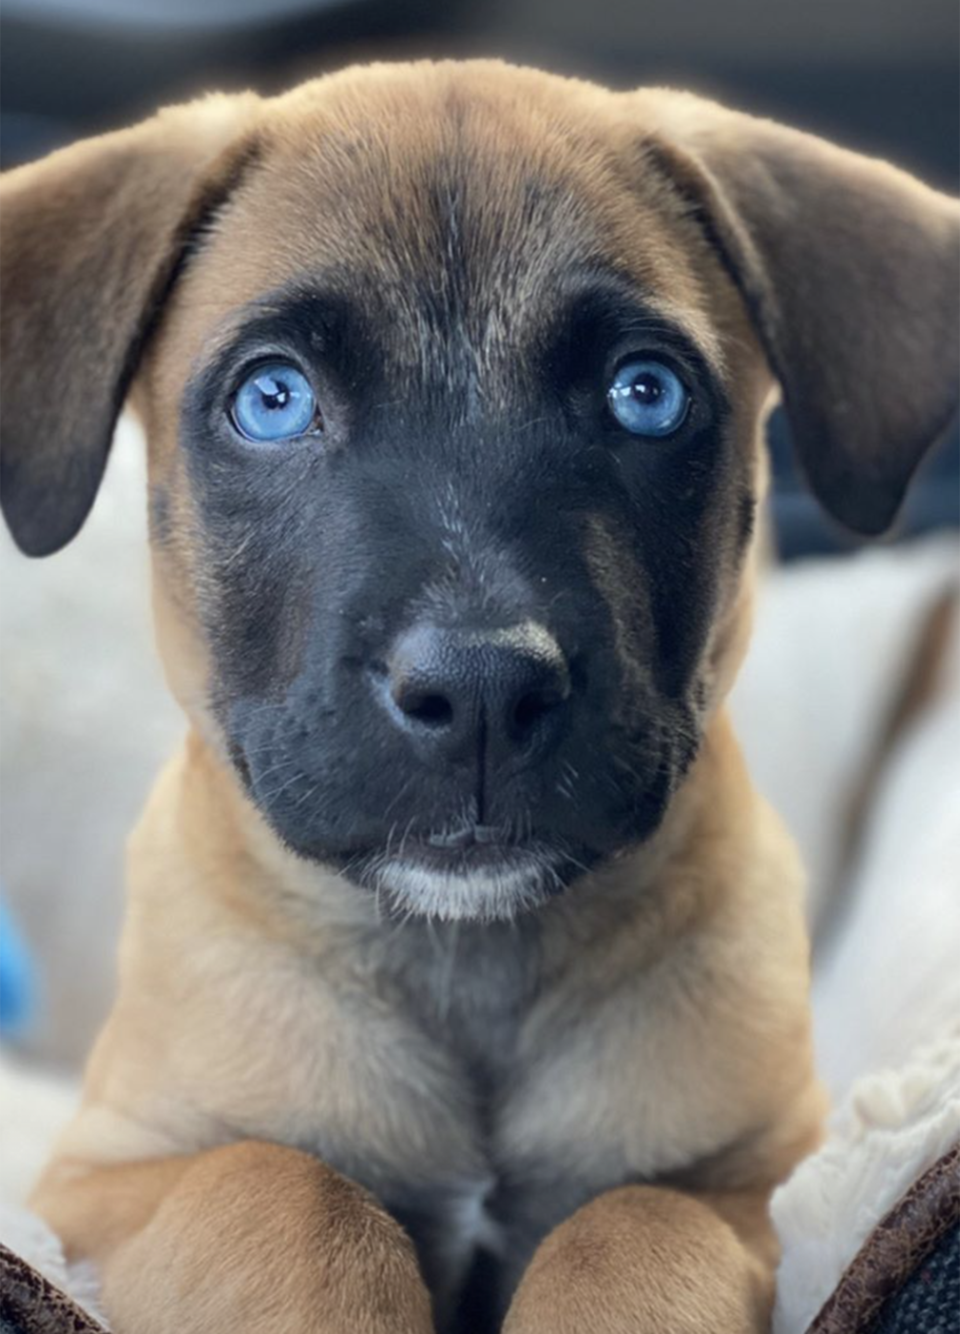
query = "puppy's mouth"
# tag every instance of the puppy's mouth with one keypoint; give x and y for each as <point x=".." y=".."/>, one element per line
<point x="472" y="872"/>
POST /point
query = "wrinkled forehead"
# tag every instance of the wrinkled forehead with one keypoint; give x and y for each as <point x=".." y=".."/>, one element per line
<point x="444" y="219"/>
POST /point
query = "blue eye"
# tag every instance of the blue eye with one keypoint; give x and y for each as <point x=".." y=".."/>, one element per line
<point x="275" y="403"/>
<point x="647" y="398"/>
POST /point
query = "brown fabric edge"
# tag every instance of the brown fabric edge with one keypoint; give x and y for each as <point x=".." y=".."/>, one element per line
<point x="898" y="1245"/>
<point x="31" y="1304"/>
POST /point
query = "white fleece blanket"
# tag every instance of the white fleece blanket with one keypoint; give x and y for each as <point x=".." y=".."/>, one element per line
<point x="891" y="1127"/>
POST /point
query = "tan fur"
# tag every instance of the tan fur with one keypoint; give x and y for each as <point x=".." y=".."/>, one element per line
<point x="585" y="1275"/>
<point x="290" y="1242"/>
<point x="262" y="1004"/>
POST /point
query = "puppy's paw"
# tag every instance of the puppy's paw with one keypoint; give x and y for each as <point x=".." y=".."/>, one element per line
<point x="641" y="1261"/>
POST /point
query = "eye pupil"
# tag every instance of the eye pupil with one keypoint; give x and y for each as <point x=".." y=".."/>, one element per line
<point x="647" y="398"/>
<point x="647" y="388"/>
<point x="275" y="403"/>
<point x="276" y="396"/>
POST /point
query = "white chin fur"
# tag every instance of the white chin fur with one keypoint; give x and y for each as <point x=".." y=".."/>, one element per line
<point x="486" y="895"/>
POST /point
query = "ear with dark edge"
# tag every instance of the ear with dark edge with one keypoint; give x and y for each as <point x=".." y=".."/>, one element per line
<point x="90" y="240"/>
<point x="851" y="272"/>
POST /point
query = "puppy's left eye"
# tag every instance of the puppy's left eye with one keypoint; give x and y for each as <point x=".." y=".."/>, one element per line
<point x="648" y="398"/>
<point x="275" y="403"/>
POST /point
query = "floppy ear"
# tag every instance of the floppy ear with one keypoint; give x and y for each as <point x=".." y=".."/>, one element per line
<point x="851" y="272"/>
<point x="90" y="240"/>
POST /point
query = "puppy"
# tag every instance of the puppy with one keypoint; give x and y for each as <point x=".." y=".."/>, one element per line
<point x="464" y="981"/>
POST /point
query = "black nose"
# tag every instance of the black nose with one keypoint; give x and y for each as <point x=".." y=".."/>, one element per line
<point x="460" y="693"/>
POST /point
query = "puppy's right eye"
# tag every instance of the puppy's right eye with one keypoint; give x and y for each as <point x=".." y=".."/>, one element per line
<point x="647" y="398"/>
<point x="275" y="403"/>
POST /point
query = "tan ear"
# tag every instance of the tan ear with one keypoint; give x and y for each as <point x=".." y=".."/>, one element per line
<point x="851" y="272"/>
<point x="90" y="240"/>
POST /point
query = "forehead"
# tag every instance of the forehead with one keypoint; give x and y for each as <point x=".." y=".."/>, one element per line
<point x="445" y="200"/>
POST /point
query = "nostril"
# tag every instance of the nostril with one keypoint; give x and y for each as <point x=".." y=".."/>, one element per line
<point x="433" y="710"/>
<point x="531" y="707"/>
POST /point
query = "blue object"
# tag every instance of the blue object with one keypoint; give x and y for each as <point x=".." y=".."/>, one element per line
<point x="17" y="979"/>
<point x="648" y="398"/>
<point x="275" y="403"/>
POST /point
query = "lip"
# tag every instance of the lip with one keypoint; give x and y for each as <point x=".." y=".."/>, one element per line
<point x="466" y="836"/>
<point x="467" y="873"/>
<point x="464" y="853"/>
<point x="470" y="850"/>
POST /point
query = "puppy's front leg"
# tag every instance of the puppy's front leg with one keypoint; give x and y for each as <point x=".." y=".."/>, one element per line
<point x="652" y="1260"/>
<point x="251" y="1238"/>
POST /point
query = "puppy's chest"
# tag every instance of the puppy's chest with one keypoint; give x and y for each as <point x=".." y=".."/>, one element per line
<point x="469" y="991"/>
<point x="466" y="994"/>
<point x="473" y="995"/>
<point x="511" y="1090"/>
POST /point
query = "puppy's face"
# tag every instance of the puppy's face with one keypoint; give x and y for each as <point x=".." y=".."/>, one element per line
<point x="460" y="417"/>
<point x="454" y="411"/>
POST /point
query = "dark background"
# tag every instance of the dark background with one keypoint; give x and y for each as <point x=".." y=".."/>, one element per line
<point x="877" y="75"/>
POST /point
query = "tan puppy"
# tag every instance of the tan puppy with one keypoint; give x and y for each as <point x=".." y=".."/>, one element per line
<point x="464" y="980"/>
